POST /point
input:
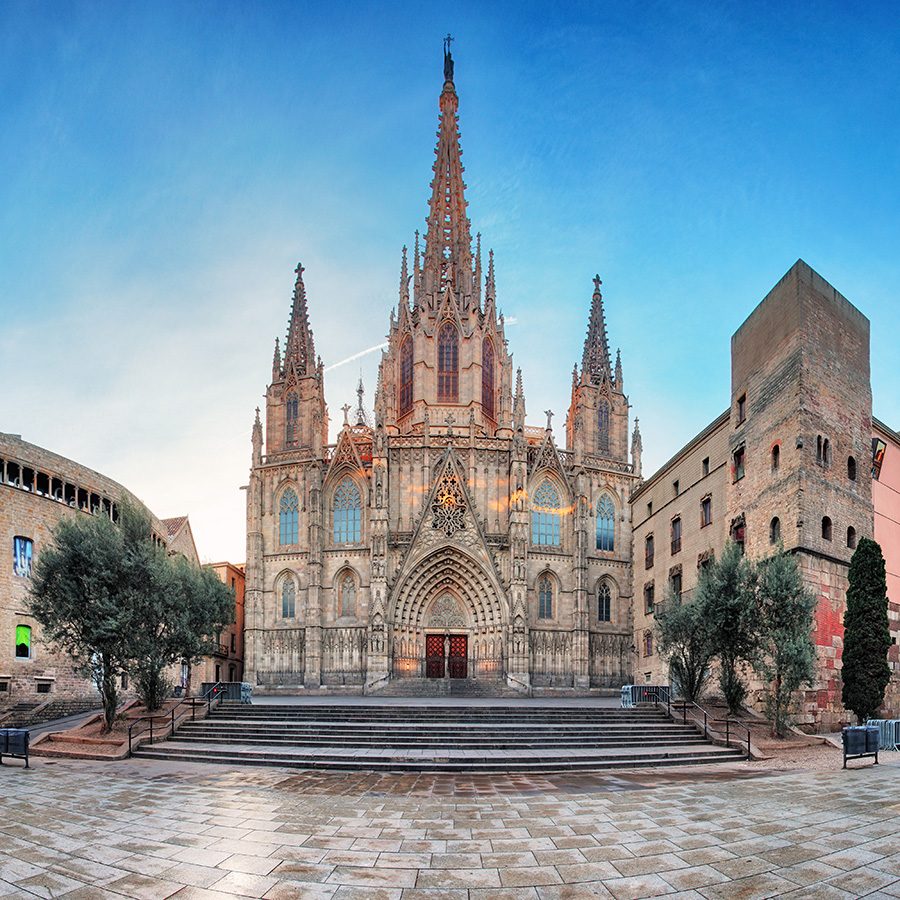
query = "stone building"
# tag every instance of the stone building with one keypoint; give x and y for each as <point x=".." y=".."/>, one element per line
<point x="447" y="538"/>
<point x="37" y="489"/>
<point x="790" y="461"/>
<point x="227" y="661"/>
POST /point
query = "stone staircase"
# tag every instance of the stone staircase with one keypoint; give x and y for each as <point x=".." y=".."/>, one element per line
<point x="446" y="687"/>
<point x="439" y="738"/>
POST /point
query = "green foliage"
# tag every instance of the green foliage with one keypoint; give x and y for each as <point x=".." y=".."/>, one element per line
<point x="867" y="638"/>
<point x="180" y="620"/>
<point x="785" y="655"/>
<point x="726" y="595"/>
<point x="109" y="597"/>
<point x="82" y="586"/>
<point x="683" y="637"/>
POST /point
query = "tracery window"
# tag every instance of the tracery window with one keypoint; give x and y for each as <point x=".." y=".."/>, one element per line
<point x="347" y="596"/>
<point x="604" y="602"/>
<point x="288" y="517"/>
<point x="545" y="515"/>
<point x="545" y="598"/>
<point x="406" y="376"/>
<point x="288" y="599"/>
<point x="448" y="364"/>
<point x="603" y="426"/>
<point x="606" y="524"/>
<point x="347" y="509"/>
<point x="487" y="378"/>
<point x="291" y="413"/>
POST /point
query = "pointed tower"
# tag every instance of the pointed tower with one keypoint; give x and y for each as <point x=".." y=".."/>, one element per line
<point x="296" y="416"/>
<point x="448" y="240"/>
<point x="446" y="351"/>
<point x="597" y="420"/>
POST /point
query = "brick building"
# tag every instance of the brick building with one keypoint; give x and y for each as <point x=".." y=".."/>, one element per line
<point x="37" y="489"/>
<point x="791" y="460"/>
<point x="447" y="538"/>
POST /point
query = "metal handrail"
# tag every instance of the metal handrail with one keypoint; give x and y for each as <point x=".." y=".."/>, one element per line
<point x="660" y="694"/>
<point x="207" y="698"/>
<point x="728" y="721"/>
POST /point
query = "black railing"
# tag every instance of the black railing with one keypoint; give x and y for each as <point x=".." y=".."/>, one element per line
<point x="213" y="695"/>
<point x="709" y="733"/>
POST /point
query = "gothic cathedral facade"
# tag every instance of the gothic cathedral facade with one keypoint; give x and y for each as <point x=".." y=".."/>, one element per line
<point x="447" y="539"/>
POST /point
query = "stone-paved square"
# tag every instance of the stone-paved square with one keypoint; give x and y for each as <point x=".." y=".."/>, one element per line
<point x="153" y="829"/>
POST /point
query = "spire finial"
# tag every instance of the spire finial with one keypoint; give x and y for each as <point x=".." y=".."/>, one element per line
<point x="448" y="59"/>
<point x="361" y="417"/>
<point x="299" y="349"/>
<point x="595" y="363"/>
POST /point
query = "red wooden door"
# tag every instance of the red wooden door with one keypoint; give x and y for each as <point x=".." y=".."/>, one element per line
<point x="459" y="646"/>
<point x="434" y="656"/>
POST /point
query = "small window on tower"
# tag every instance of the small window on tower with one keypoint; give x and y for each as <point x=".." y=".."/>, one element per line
<point x="705" y="512"/>
<point x="851" y="468"/>
<point x="776" y="458"/>
<point x="648" y="599"/>
<point x="742" y="409"/>
<point x="648" y="551"/>
<point x="739" y="464"/>
<point x="775" y="530"/>
<point x="675" y="486"/>
<point x="826" y="528"/>
<point x="851" y="538"/>
<point x="706" y="467"/>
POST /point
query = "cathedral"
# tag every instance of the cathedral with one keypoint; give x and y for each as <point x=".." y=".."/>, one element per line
<point x="447" y="543"/>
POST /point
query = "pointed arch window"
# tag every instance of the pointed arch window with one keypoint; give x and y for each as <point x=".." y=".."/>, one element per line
<point x="545" y="515"/>
<point x="487" y="378"/>
<point x="288" y="517"/>
<point x="291" y="414"/>
<point x="347" y="596"/>
<point x="448" y="364"/>
<point x="347" y="509"/>
<point x="604" y="602"/>
<point x="545" y="598"/>
<point x="288" y="599"/>
<point x="606" y="524"/>
<point x="405" y="399"/>
<point x="603" y="426"/>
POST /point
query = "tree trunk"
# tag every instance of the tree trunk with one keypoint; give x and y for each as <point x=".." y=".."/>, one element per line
<point x="108" y="691"/>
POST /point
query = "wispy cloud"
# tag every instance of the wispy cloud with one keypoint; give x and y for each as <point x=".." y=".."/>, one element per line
<point x="359" y="355"/>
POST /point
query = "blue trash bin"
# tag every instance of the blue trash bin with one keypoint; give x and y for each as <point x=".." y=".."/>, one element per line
<point x="873" y="738"/>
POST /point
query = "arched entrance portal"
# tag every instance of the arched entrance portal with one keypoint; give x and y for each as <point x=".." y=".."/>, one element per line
<point x="449" y="620"/>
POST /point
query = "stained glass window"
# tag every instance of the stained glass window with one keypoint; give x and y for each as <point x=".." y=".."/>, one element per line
<point x="545" y="598"/>
<point x="606" y="524"/>
<point x="23" y="641"/>
<point x="288" y="599"/>
<point x="487" y="378"/>
<point x="291" y="412"/>
<point x="604" y="602"/>
<point x="347" y="508"/>
<point x="603" y="426"/>
<point x="288" y="517"/>
<point x="448" y="364"/>
<point x="347" y="605"/>
<point x="406" y="376"/>
<point x="23" y="549"/>
<point x="545" y="515"/>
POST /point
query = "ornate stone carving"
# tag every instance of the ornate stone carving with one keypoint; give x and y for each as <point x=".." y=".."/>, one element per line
<point x="446" y="614"/>
<point x="448" y="507"/>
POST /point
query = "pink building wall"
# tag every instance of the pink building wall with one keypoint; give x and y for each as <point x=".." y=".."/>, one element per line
<point x="886" y="500"/>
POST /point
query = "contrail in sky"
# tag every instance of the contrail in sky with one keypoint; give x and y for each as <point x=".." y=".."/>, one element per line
<point x="356" y="356"/>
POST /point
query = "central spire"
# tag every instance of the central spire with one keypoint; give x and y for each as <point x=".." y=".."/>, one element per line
<point x="448" y="242"/>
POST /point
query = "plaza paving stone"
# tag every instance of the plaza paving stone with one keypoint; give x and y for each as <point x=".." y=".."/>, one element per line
<point x="151" y="829"/>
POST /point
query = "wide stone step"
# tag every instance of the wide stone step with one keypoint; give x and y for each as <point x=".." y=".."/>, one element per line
<point x="446" y="760"/>
<point x="493" y="744"/>
<point x="622" y="727"/>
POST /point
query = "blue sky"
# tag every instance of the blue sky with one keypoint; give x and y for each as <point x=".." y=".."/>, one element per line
<point x="165" y="165"/>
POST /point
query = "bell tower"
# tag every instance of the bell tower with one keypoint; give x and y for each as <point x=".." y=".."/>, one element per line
<point x="597" y="421"/>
